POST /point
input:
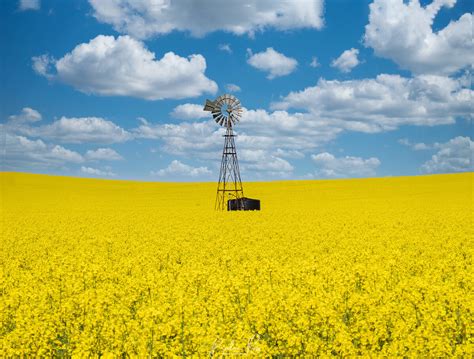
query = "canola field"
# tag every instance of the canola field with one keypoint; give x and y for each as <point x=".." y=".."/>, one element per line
<point x="371" y="267"/>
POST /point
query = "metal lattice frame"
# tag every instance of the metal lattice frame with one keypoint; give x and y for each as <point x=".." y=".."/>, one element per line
<point x="226" y="111"/>
<point x="230" y="183"/>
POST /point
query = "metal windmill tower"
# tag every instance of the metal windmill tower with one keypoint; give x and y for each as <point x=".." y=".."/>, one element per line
<point x="226" y="111"/>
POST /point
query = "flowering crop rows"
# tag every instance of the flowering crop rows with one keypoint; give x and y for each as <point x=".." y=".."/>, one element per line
<point x="377" y="267"/>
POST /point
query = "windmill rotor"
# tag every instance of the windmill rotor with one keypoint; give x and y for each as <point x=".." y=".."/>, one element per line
<point x="226" y="110"/>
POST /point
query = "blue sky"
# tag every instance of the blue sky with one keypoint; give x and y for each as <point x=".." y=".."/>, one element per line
<point x="332" y="89"/>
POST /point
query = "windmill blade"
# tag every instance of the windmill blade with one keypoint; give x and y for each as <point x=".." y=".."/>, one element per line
<point x="218" y="118"/>
<point x="222" y="120"/>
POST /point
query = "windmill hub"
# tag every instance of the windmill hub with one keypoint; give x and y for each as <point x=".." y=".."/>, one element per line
<point x="226" y="111"/>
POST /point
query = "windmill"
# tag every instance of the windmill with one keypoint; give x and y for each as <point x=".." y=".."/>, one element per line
<point x="226" y="111"/>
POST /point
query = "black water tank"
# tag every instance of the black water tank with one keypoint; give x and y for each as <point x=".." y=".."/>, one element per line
<point x="243" y="204"/>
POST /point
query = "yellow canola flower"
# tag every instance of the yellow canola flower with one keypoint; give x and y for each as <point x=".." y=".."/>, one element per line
<point x="372" y="267"/>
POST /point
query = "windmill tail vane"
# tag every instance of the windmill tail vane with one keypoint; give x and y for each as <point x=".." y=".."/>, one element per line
<point x="226" y="111"/>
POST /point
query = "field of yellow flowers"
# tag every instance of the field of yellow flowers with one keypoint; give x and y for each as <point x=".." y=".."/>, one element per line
<point x="373" y="267"/>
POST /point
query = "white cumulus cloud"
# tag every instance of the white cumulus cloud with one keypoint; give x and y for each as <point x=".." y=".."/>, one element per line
<point x="347" y="61"/>
<point x="103" y="154"/>
<point x="27" y="114"/>
<point x="456" y="155"/>
<point x="263" y="161"/>
<point x="314" y="62"/>
<point x="402" y="31"/>
<point x="123" y="66"/>
<point x="43" y="65"/>
<point x="225" y="48"/>
<point x="384" y="103"/>
<point x="177" y="168"/>
<point x="419" y="146"/>
<point x="348" y="166"/>
<point x="78" y="130"/>
<point x="20" y="152"/>
<point x="189" y="111"/>
<point x="260" y="129"/>
<point x="295" y="154"/>
<point x="232" y="88"/>
<point x="144" y="18"/>
<point x="29" y="5"/>
<point x="273" y="62"/>
<point x="178" y="139"/>
<point x="96" y="172"/>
